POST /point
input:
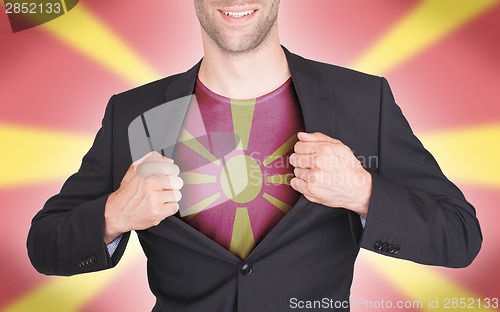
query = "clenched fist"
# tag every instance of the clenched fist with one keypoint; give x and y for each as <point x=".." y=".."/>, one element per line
<point x="327" y="172"/>
<point x="148" y="193"/>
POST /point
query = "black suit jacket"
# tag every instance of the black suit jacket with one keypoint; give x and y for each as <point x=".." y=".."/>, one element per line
<point x="415" y="212"/>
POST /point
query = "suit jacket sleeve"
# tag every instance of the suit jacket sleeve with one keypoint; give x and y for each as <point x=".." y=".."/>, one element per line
<point x="414" y="209"/>
<point x="67" y="236"/>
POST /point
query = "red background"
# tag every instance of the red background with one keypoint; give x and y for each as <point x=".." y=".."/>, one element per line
<point x="47" y="84"/>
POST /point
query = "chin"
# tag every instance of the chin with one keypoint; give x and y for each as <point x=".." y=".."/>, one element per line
<point x="239" y="44"/>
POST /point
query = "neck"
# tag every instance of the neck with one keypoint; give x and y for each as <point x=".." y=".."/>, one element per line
<point x="244" y="75"/>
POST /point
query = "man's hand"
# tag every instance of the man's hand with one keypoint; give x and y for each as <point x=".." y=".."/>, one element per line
<point x="148" y="193"/>
<point x="327" y="172"/>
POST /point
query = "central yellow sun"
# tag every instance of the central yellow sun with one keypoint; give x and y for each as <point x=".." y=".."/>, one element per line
<point x="241" y="179"/>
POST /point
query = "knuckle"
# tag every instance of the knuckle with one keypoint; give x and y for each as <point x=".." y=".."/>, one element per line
<point x="313" y="177"/>
<point x="148" y="183"/>
<point x="344" y="149"/>
<point x="168" y="183"/>
<point x="172" y="208"/>
<point x="317" y="161"/>
<point x="297" y="147"/>
<point x="177" y="182"/>
<point x="314" y="172"/>
<point x="143" y="166"/>
<point x="172" y="169"/>
<point x="323" y="148"/>
<point x="177" y="195"/>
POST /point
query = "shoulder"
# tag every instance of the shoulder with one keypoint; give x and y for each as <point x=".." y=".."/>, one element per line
<point x="152" y="90"/>
<point x="126" y="106"/>
<point x="129" y="104"/>
<point x="337" y="76"/>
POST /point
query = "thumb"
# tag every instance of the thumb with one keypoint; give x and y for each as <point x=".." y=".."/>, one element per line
<point x="152" y="156"/>
<point x="149" y="156"/>
<point x="316" y="137"/>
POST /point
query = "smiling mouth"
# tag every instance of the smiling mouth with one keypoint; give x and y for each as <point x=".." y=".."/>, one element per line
<point x="239" y="14"/>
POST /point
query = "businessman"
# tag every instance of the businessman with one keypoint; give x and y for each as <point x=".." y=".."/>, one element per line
<point x="279" y="215"/>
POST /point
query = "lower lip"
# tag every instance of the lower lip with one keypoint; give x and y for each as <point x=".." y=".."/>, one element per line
<point x="237" y="20"/>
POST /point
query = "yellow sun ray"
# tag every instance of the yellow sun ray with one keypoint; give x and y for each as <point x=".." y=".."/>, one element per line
<point x="242" y="112"/>
<point x="34" y="155"/>
<point x="428" y="23"/>
<point x="418" y="282"/>
<point x="278" y="203"/>
<point x="82" y="30"/>
<point x="283" y="149"/>
<point x="186" y="138"/>
<point x="71" y="294"/>
<point x="242" y="240"/>
<point x="202" y="205"/>
<point x="467" y="155"/>
<point x="197" y="178"/>
<point x="280" y="178"/>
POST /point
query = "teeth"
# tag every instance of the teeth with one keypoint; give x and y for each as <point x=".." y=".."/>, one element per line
<point x="239" y="14"/>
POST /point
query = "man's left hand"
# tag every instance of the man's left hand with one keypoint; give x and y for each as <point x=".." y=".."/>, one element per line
<point x="327" y="172"/>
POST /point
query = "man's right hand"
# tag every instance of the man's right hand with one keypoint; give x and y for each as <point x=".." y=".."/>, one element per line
<point x="148" y="193"/>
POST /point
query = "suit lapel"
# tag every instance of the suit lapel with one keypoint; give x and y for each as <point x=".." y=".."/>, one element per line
<point x="158" y="127"/>
<point x="316" y="99"/>
<point x="183" y="84"/>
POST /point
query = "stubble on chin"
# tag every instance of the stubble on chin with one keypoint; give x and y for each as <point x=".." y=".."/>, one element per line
<point x="246" y="44"/>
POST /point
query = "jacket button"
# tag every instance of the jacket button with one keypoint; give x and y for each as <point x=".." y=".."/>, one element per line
<point x="378" y="245"/>
<point x="246" y="269"/>
<point x="390" y="249"/>
<point x="83" y="263"/>
<point x="395" y="249"/>
<point x="93" y="260"/>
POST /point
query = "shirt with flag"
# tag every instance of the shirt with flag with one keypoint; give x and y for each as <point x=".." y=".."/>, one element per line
<point x="233" y="156"/>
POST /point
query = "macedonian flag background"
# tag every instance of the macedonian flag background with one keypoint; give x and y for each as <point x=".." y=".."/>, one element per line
<point x="441" y="57"/>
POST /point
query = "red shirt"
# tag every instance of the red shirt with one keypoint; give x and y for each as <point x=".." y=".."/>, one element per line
<point x="234" y="162"/>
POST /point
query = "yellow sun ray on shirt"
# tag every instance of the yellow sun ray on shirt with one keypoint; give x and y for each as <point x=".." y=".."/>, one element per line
<point x="278" y="203"/>
<point x="191" y="142"/>
<point x="428" y="23"/>
<point x="283" y="149"/>
<point x="82" y="30"/>
<point x="200" y="206"/>
<point x="71" y="294"/>
<point x="421" y="283"/>
<point x="197" y="178"/>
<point x="242" y="113"/>
<point x="242" y="240"/>
<point x="280" y="178"/>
